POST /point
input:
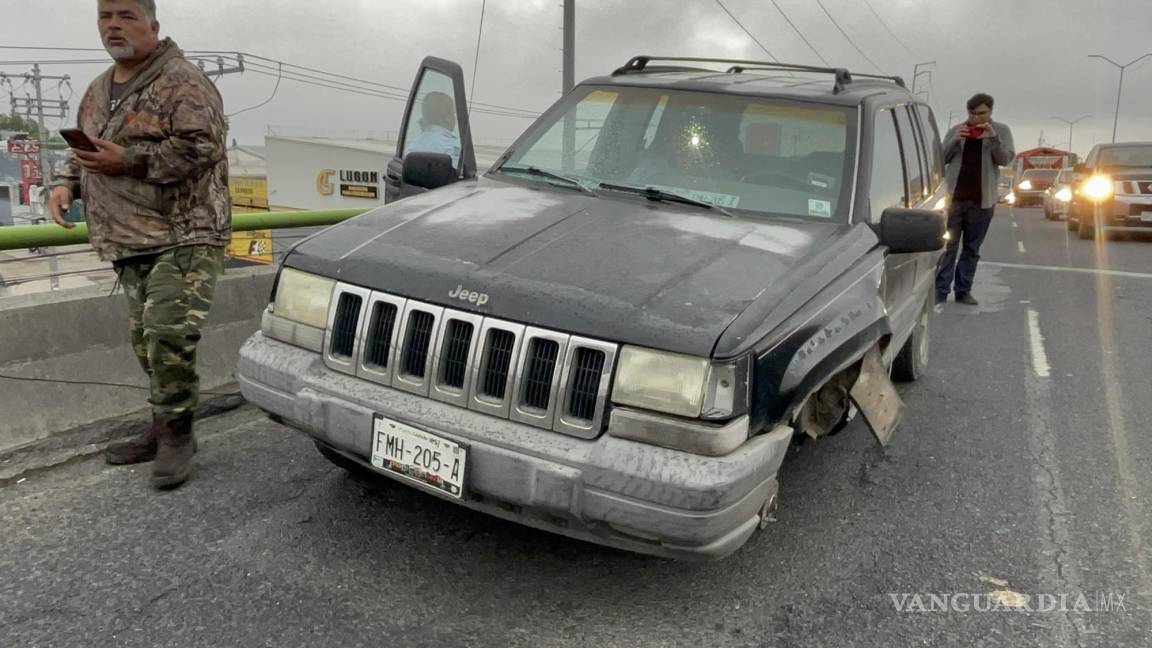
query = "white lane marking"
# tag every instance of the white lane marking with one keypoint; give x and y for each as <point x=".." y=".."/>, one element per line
<point x="1020" y="244"/>
<point x="1039" y="356"/>
<point x="1092" y="271"/>
<point x="1014" y="224"/>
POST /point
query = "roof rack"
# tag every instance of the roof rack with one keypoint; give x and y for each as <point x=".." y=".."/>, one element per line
<point x="842" y="76"/>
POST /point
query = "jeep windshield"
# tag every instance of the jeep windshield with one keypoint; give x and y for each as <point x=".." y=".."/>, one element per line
<point x="749" y="155"/>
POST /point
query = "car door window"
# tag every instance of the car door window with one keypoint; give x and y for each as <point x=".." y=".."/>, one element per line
<point x="932" y="146"/>
<point x="887" y="188"/>
<point x="434" y="126"/>
<point x="912" y="163"/>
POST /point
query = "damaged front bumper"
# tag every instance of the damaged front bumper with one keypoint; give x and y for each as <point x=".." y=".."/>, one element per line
<point x="608" y="490"/>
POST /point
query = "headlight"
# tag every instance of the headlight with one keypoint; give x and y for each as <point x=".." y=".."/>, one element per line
<point x="303" y="297"/>
<point x="1025" y="186"/>
<point x="682" y="385"/>
<point x="1098" y="187"/>
<point x="1064" y="195"/>
<point x="1010" y="198"/>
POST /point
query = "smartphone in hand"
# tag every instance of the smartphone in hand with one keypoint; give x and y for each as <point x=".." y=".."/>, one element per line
<point x="77" y="139"/>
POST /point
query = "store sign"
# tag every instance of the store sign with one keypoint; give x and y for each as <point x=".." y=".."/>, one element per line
<point x="253" y="247"/>
<point x="353" y="183"/>
<point x="23" y="147"/>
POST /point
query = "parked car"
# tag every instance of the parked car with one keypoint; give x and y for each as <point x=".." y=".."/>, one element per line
<point x="1003" y="188"/>
<point x="615" y="332"/>
<point x="1059" y="195"/>
<point x="1033" y="183"/>
<point x="1115" y="192"/>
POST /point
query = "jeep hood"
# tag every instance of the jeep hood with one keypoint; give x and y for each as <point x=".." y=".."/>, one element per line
<point x="614" y="268"/>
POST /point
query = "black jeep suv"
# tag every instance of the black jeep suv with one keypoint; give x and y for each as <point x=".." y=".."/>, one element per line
<point x="616" y="331"/>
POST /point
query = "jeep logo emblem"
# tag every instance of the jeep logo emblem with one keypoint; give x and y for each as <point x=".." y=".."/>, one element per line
<point x="477" y="298"/>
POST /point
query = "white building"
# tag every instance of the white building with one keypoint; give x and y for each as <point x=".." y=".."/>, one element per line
<point x="328" y="173"/>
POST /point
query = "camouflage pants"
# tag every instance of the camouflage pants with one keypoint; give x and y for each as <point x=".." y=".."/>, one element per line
<point x="169" y="295"/>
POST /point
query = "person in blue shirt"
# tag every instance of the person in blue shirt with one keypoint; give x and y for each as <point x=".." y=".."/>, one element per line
<point x="437" y="127"/>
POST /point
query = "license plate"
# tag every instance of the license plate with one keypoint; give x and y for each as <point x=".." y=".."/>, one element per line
<point x="419" y="457"/>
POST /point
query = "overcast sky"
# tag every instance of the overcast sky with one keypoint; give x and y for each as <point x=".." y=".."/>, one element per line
<point x="1032" y="55"/>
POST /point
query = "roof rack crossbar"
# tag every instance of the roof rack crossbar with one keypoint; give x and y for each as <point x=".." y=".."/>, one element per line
<point x="843" y="77"/>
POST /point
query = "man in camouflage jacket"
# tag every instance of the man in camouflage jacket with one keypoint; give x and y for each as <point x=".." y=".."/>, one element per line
<point x="156" y="197"/>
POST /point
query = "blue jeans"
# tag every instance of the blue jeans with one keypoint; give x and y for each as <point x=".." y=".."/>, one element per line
<point x="967" y="224"/>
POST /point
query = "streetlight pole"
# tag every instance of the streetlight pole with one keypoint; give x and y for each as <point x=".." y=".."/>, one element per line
<point x="918" y="75"/>
<point x="916" y="69"/>
<point x="1070" y="125"/>
<point x="1120" y="87"/>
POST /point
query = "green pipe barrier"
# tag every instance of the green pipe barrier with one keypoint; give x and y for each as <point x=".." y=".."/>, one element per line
<point x="50" y="235"/>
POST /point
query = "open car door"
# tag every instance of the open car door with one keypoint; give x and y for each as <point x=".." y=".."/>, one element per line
<point x="435" y="125"/>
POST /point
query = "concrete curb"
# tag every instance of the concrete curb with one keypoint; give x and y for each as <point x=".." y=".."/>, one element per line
<point x="90" y="439"/>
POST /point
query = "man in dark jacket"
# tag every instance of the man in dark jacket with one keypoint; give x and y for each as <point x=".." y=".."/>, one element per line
<point x="974" y="151"/>
<point x="156" y="195"/>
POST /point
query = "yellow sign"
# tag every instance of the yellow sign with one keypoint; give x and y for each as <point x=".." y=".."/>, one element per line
<point x="248" y="192"/>
<point x="324" y="182"/>
<point x="254" y="246"/>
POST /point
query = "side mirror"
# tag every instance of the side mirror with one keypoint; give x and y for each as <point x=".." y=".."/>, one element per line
<point x="428" y="170"/>
<point x="905" y="231"/>
<point x="1080" y="169"/>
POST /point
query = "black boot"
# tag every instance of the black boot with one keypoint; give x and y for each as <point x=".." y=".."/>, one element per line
<point x="175" y="447"/>
<point x="138" y="449"/>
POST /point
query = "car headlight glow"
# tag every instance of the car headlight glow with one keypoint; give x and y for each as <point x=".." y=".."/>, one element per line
<point x="1064" y="195"/>
<point x="303" y="297"/>
<point x="1010" y="198"/>
<point x="660" y="381"/>
<point x="1025" y="186"/>
<point x="1098" y="187"/>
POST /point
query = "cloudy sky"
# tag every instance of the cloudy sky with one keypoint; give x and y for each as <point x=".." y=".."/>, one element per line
<point x="1032" y="55"/>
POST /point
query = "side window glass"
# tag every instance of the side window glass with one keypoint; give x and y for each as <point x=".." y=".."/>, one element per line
<point x="932" y="144"/>
<point x="911" y="156"/>
<point x="433" y="126"/>
<point x="887" y="187"/>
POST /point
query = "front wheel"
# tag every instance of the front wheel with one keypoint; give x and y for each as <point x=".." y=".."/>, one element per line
<point x="912" y="360"/>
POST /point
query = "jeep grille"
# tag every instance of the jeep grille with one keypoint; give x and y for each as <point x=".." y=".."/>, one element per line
<point x="544" y="378"/>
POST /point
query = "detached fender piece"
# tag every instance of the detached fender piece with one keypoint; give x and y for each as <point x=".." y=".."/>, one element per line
<point x="876" y="397"/>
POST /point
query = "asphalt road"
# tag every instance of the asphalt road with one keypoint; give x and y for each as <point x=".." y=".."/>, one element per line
<point x="1021" y="469"/>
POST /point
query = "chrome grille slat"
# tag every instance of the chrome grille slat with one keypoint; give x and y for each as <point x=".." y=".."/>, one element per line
<point x="417" y="344"/>
<point x="494" y="380"/>
<point x="343" y="342"/>
<point x="378" y="335"/>
<point x="457" y="341"/>
<point x="586" y="369"/>
<point x="538" y="372"/>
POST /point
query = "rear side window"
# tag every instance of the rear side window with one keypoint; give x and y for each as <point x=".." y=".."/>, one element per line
<point x="932" y="143"/>
<point x="887" y="185"/>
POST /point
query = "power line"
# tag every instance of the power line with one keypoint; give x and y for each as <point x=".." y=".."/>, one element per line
<point x="800" y="33"/>
<point x="741" y="25"/>
<point x="279" y="78"/>
<point x="846" y="36"/>
<point x="476" y="59"/>
<point x="290" y="67"/>
<point x="889" y="29"/>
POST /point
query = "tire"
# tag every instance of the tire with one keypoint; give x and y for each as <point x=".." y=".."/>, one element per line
<point x="912" y="360"/>
<point x="354" y="469"/>
<point x="1087" y="229"/>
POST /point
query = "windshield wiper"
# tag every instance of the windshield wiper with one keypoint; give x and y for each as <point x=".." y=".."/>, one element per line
<point x="551" y="175"/>
<point x="652" y="193"/>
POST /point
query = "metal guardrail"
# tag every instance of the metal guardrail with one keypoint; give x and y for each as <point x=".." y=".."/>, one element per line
<point x="51" y="234"/>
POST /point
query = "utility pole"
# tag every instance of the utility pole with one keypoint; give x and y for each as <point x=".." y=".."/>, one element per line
<point x="569" y="78"/>
<point x="568" y="81"/>
<point x="59" y="110"/>
<point x="1120" y="87"/>
<point x="1070" y="125"/>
